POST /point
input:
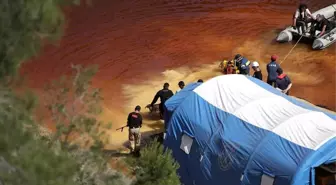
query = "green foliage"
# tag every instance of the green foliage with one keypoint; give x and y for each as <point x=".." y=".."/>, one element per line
<point x="24" y="26"/>
<point x="26" y="154"/>
<point x="25" y="159"/>
<point x="74" y="105"/>
<point x="155" y="166"/>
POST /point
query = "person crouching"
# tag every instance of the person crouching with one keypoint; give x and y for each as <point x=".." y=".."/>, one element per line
<point x="134" y="123"/>
<point x="283" y="83"/>
<point x="257" y="72"/>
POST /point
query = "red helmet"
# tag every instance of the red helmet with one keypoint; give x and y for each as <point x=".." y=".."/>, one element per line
<point x="274" y="57"/>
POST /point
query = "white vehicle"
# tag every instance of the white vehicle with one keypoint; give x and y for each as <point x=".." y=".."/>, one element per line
<point x="326" y="40"/>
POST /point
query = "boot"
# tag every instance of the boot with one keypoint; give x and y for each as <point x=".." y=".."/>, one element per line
<point x="132" y="143"/>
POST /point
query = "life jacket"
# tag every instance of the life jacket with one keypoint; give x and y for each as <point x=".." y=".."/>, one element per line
<point x="223" y="64"/>
<point x="282" y="76"/>
<point x="303" y="15"/>
<point x="228" y="67"/>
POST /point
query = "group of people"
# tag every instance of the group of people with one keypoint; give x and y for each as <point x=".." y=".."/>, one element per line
<point x="134" y="119"/>
<point x="303" y="16"/>
<point x="275" y="77"/>
<point x="239" y="65"/>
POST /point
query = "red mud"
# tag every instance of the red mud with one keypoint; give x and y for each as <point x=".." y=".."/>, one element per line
<point x="133" y="42"/>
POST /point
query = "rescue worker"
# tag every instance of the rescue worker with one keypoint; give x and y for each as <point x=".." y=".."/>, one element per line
<point x="257" y="72"/>
<point x="271" y="70"/>
<point x="181" y="85"/>
<point x="321" y="24"/>
<point x="134" y="123"/>
<point x="227" y="67"/>
<point x="283" y="82"/>
<point x="242" y="64"/>
<point x="199" y="81"/>
<point x="302" y="17"/>
<point x="164" y="94"/>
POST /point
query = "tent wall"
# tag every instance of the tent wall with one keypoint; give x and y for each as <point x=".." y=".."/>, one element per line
<point x="173" y="102"/>
<point x="251" y="131"/>
<point x="218" y="151"/>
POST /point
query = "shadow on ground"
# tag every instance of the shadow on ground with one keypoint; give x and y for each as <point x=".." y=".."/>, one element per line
<point x="151" y="116"/>
<point x="147" y="137"/>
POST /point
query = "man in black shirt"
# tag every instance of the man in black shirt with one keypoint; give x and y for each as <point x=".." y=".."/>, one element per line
<point x="322" y="24"/>
<point x="283" y="82"/>
<point x="257" y="72"/>
<point x="164" y="94"/>
<point x="134" y="123"/>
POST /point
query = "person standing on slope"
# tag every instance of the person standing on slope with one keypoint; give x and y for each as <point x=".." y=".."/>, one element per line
<point x="272" y="68"/>
<point x="134" y="123"/>
<point x="164" y="94"/>
<point x="181" y="85"/>
<point x="257" y="72"/>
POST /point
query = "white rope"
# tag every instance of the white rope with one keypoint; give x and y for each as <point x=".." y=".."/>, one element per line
<point x="291" y="49"/>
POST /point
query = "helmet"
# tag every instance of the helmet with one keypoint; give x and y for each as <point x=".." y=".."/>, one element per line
<point x="255" y="64"/>
<point x="274" y="57"/>
<point x="237" y="56"/>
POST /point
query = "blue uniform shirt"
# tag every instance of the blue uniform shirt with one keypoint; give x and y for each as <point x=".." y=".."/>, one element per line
<point x="271" y="70"/>
<point x="244" y="66"/>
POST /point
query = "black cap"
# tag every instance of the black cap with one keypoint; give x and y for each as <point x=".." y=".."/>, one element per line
<point x="237" y="56"/>
<point x="200" y="80"/>
<point x="279" y="70"/>
<point x="137" y="108"/>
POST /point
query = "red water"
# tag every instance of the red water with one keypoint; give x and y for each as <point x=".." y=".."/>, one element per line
<point x="136" y="42"/>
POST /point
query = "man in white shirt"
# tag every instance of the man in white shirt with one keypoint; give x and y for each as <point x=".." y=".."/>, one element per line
<point x="301" y="18"/>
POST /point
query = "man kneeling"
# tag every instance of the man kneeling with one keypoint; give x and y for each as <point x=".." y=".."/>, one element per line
<point x="134" y="122"/>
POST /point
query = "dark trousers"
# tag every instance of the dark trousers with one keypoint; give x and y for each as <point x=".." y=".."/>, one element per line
<point x="271" y="83"/>
<point x="303" y="24"/>
<point x="161" y="110"/>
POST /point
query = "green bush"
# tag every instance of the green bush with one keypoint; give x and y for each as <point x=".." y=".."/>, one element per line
<point x="155" y="166"/>
<point x="30" y="154"/>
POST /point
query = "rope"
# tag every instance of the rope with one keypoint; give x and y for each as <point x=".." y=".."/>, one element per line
<point x="296" y="44"/>
<point x="291" y="49"/>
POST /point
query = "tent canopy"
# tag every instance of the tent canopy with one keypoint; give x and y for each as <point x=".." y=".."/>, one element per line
<point x="240" y="130"/>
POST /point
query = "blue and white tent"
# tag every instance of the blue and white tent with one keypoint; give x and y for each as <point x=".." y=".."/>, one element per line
<point x="235" y="129"/>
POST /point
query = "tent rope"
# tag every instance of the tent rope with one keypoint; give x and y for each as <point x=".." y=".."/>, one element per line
<point x="291" y="49"/>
